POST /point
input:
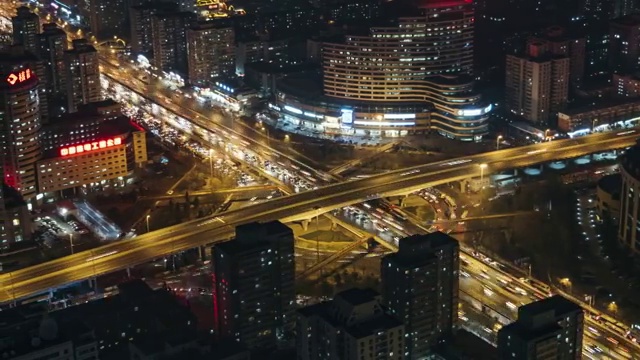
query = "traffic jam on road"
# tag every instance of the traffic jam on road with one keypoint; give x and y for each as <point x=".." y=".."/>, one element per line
<point x="490" y="283"/>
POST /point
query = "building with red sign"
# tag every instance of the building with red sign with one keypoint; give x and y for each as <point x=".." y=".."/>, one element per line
<point x="89" y="148"/>
<point x="20" y="105"/>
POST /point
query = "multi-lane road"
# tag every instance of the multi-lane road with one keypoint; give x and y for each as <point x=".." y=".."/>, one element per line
<point x="87" y="264"/>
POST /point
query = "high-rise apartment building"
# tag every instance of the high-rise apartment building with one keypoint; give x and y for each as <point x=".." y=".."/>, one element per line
<point x="26" y="27"/>
<point x="21" y="123"/>
<point x="420" y="287"/>
<point x="82" y="74"/>
<point x="537" y="84"/>
<point x="211" y="53"/>
<point x="560" y="43"/>
<point x="547" y="329"/>
<point x="141" y="29"/>
<point x="624" y="44"/>
<point x="52" y="45"/>
<point x="628" y="229"/>
<point x="106" y="18"/>
<point x="169" y="38"/>
<point x="354" y="325"/>
<point x="254" y="295"/>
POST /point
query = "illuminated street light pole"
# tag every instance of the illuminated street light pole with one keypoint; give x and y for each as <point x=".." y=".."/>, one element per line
<point x="268" y="137"/>
<point x="211" y="163"/>
<point x="482" y="167"/>
<point x="71" y="242"/>
<point x="498" y="142"/>
<point x="147" y="220"/>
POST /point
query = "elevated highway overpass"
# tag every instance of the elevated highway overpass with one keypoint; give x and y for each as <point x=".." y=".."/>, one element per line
<point x="121" y="255"/>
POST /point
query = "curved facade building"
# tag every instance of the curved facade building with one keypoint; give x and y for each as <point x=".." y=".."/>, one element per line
<point x="412" y="75"/>
<point x="629" y="221"/>
<point x="19" y="104"/>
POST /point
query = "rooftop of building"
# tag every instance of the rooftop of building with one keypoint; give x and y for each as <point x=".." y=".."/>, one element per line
<point x="372" y="326"/>
<point x="525" y="332"/>
<point x="601" y="104"/>
<point x="627" y="20"/>
<point x="247" y="235"/>
<point x="466" y="345"/>
<point x="611" y="184"/>
<point x="81" y="46"/>
<point x="556" y="303"/>
<point x="420" y="248"/>
<point x="52" y="28"/>
<point x="357" y="296"/>
<point x="630" y="161"/>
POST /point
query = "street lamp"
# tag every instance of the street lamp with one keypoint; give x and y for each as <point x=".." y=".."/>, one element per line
<point x="482" y="167"/>
<point x="147" y="219"/>
<point x="211" y="162"/>
<point x="566" y="282"/>
<point x="498" y="142"/>
<point x="71" y="242"/>
<point x="546" y="135"/>
<point x="613" y="307"/>
<point x="268" y="137"/>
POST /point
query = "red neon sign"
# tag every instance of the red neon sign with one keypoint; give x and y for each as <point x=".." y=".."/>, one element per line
<point x="19" y="76"/>
<point x="95" y="145"/>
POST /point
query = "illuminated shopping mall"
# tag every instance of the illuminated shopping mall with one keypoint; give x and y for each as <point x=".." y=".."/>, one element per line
<point x="413" y="76"/>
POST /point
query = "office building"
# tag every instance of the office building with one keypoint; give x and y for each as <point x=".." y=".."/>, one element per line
<point x="141" y="29"/>
<point x="88" y="148"/>
<point x="52" y="45"/>
<point x="547" y="329"/>
<point x="537" y="84"/>
<point x="26" y="27"/>
<point x="83" y="74"/>
<point x="376" y="84"/>
<point x="624" y="47"/>
<point x="20" y="106"/>
<point x="420" y="287"/>
<point x="169" y="40"/>
<point x="253" y="294"/>
<point x="354" y="325"/>
<point x="211" y="53"/>
<point x="628" y="232"/>
<point x="106" y="18"/>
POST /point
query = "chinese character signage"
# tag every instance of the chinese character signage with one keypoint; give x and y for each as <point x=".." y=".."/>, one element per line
<point x="95" y="145"/>
<point x="19" y="77"/>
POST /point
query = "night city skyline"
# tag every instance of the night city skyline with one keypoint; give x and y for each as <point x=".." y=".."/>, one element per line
<point x="317" y="180"/>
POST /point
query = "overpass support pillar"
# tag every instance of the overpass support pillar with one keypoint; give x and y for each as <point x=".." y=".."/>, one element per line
<point x="129" y="272"/>
<point x="305" y="224"/>
<point x="463" y="186"/>
<point x="202" y="252"/>
<point x="403" y="201"/>
<point x="334" y="225"/>
<point x="515" y="172"/>
<point x="93" y="283"/>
